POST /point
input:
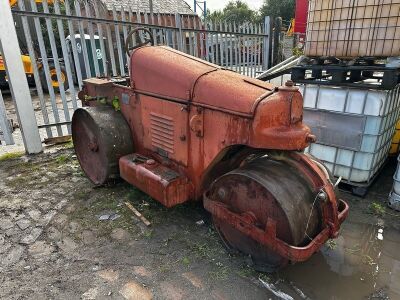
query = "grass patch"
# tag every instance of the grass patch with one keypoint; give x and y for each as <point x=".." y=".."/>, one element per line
<point x="11" y="155"/>
<point x="220" y="274"/>
<point x="154" y="211"/>
<point x="69" y="145"/>
<point x="164" y="268"/>
<point x="368" y="260"/>
<point x="331" y="244"/>
<point x="94" y="203"/>
<point x="353" y="250"/>
<point x="148" y="233"/>
<point x="246" y="272"/>
<point x="202" y="250"/>
<point x="265" y="277"/>
<point x="186" y="261"/>
<point x="377" y="209"/>
<point x="81" y="195"/>
<point x="62" y="158"/>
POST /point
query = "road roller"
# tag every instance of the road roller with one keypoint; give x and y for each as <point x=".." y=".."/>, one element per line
<point x="182" y="129"/>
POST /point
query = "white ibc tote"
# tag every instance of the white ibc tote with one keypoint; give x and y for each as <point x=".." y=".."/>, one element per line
<point x="354" y="128"/>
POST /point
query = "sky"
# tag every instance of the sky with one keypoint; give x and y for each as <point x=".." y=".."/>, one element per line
<point x="220" y="4"/>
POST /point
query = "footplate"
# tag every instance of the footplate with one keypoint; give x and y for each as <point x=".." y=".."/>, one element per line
<point x="162" y="183"/>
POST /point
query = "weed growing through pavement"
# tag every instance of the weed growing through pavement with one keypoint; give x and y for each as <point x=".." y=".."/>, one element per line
<point x="331" y="244"/>
<point x="377" y="209"/>
<point x="11" y="155"/>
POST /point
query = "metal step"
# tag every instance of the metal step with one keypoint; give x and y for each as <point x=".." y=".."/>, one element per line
<point x="160" y="182"/>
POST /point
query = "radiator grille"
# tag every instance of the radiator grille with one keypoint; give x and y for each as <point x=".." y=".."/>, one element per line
<point x="162" y="132"/>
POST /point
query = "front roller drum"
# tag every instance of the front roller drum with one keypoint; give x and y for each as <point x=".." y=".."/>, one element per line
<point x="262" y="190"/>
<point x="101" y="137"/>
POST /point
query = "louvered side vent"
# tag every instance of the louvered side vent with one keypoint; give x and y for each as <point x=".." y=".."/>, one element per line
<point x="162" y="132"/>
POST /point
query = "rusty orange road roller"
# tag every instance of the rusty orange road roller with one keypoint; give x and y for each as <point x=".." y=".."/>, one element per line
<point x="183" y="129"/>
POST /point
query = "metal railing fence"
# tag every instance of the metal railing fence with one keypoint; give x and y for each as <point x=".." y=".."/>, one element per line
<point x="5" y="124"/>
<point x="71" y="40"/>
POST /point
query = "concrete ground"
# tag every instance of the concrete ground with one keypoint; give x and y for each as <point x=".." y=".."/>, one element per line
<point x="63" y="238"/>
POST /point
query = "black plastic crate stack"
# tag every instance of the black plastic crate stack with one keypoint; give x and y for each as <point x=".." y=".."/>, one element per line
<point x="361" y="73"/>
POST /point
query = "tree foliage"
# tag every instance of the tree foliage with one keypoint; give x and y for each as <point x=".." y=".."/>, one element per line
<point x="235" y="11"/>
<point x="215" y="16"/>
<point x="239" y="12"/>
<point x="278" y="8"/>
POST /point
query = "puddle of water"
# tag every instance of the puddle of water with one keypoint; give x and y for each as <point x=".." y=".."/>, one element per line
<point x="364" y="260"/>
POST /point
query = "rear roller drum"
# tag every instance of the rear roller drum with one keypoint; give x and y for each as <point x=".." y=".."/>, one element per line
<point x="101" y="136"/>
<point x="261" y="189"/>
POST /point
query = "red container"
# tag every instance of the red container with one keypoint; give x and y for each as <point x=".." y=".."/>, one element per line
<point x="300" y="24"/>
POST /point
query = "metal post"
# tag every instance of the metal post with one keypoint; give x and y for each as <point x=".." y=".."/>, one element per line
<point x="119" y="46"/>
<point x="151" y="11"/>
<point x="45" y="67"/>
<point x="178" y="24"/>
<point x="266" y="42"/>
<point x="17" y="80"/>
<point x="277" y="40"/>
<point x="5" y="128"/>
<point x="36" y="75"/>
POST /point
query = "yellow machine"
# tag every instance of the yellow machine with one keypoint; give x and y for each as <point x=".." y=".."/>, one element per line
<point x="15" y="2"/>
<point x="29" y="69"/>
<point x="394" y="149"/>
<point x="26" y="60"/>
<point x="27" y="66"/>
